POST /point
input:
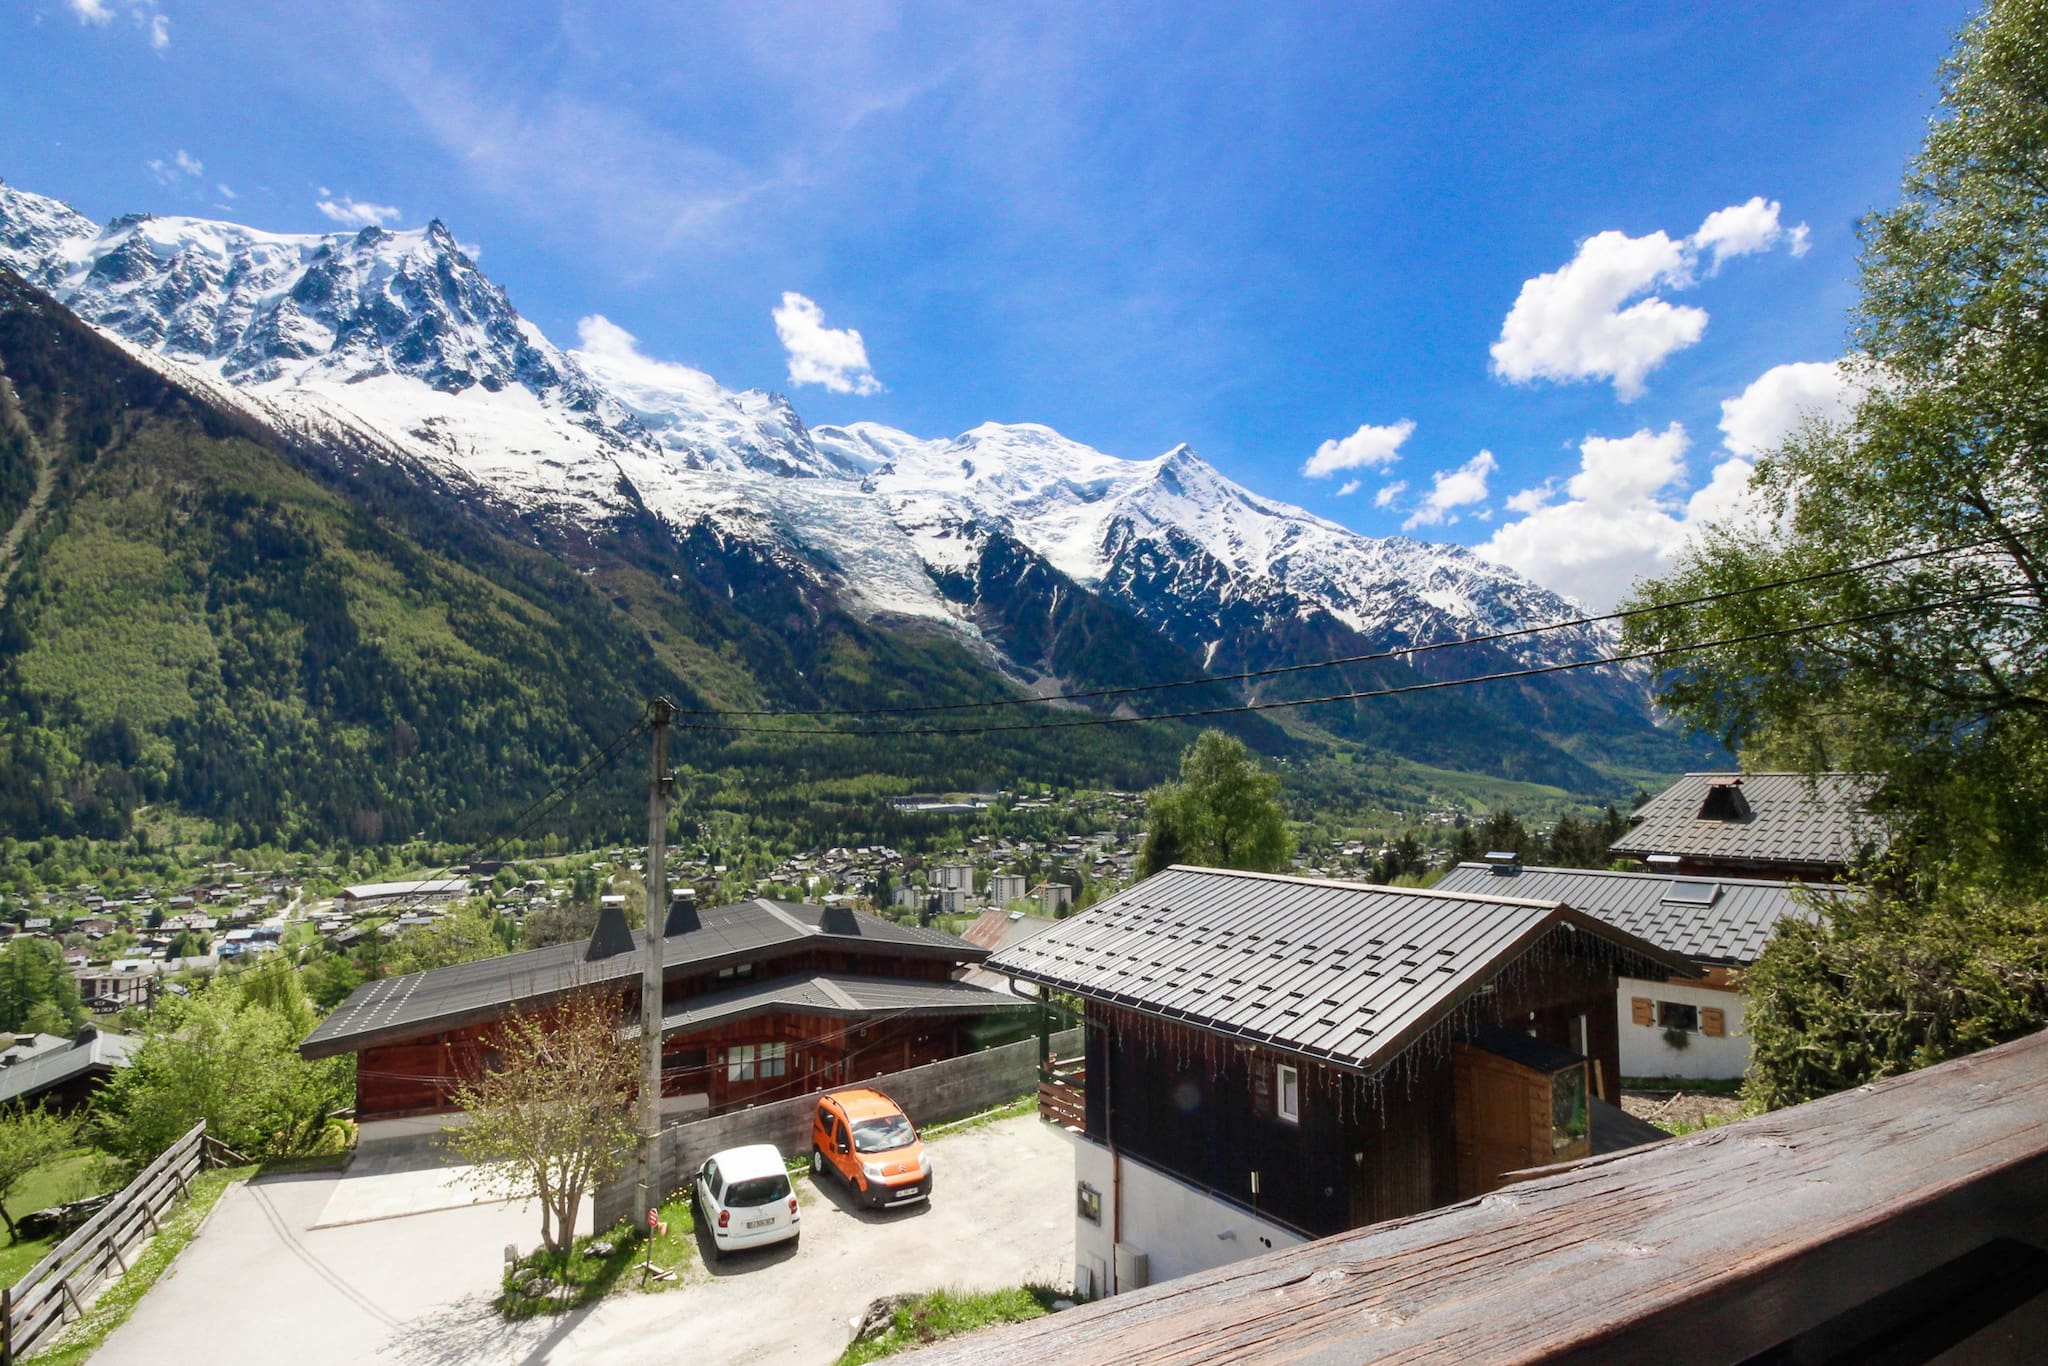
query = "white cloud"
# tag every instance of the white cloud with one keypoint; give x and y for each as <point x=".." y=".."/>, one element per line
<point x="614" y="355"/>
<point x="1369" y="447"/>
<point x="356" y="213"/>
<point x="1453" y="489"/>
<point x="225" y="192"/>
<point x="1570" y="324"/>
<point x="100" y="13"/>
<point x="1758" y="419"/>
<point x="181" y="163"/>
<point x="1617" y="471"/>
<point x="832" y="356"/>
<point x="1578" y="322"/>
<point x="1350" y="487"/>
<point x="1744" y="229"/>
<point x="1625" y="516"/>
<point x="1386" y="496"/>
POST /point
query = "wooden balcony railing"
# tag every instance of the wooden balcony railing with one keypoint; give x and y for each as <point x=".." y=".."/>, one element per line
<point x="1063" y="1100"/>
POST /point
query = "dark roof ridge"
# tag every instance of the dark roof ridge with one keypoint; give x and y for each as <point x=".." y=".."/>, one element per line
<point x="1542" y="903"/>
<point x="1657" y="877"/>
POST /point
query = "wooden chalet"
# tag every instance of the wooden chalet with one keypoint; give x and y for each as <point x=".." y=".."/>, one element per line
<point x="762" y="1000"/>
<point x="1272" y="1059"/>
<point x="1812" y="827"/>
<point x="1669" y="1027"/>
<point x="1901" y="1222"/>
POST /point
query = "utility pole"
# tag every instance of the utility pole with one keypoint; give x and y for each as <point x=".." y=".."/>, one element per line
<point x="655" y="879"/>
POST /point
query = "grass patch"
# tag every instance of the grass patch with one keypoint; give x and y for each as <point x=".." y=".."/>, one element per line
<point x="1026" y="1104"/>
<point x="579" y="1276"/>
<point x="947" y="1313"/>
<point x="74" y="1176"/>
<point x="112" y="1308"/>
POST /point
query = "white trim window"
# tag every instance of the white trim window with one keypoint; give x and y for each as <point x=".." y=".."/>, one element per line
<point x="1287" y="1093"/>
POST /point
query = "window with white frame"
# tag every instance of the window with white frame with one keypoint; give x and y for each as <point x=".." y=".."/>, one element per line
<point x="756" y="1061"/>
<point x="1287" y="1093"/>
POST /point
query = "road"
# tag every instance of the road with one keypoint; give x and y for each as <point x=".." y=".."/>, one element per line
<point x="262" y="1284"/>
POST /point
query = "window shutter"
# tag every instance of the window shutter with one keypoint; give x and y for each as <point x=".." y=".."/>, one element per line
<point x="1713" y="1023"/>
<point x="1639" y="1009"/>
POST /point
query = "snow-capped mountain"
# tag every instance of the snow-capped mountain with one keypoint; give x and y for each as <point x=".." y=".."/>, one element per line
<point x="397" y="341"/>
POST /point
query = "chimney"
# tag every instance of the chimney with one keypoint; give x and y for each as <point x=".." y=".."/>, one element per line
<point x="682" y="914"/>
<point x="611" y="936"/>
<point x="1506" y="863"/>
<point x="838" y="920"/>
<point x="1724" y="801"/>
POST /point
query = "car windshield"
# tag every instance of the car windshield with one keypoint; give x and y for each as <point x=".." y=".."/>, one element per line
<point x="761" y="1190"/>
<point x="880" y="1135"/>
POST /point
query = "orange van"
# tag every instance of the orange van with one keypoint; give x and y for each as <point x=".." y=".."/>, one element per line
<point x="866" y="1140"/>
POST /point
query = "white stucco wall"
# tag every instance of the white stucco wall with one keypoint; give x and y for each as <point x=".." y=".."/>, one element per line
<point x="1180" y="1229"/>
<point x="1644" y="1052"/>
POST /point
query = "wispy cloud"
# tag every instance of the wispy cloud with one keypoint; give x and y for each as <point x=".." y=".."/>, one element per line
<point x="356" y="213"/>
<point x="178" y="166"/>
<point x="1451" y="490"/>
<point x="144" y="14"/>
<point x="834" y="357"/>
<point x="1369" y="447"/>
<point x="1389" y="492"/>
<point x="1349" y="487"/>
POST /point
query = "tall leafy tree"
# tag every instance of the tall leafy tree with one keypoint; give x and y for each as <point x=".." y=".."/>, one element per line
<point x="1222" y="813"/>
<point x="29" y="1138"/>
<point x="38" y="995"/>
<point x="550" y="1116"/>
<point x="1941" y="681"/>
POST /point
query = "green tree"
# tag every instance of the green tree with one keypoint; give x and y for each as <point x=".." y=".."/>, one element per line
<point x="1881" y="986"/>
<point x="229" y="1056"/>
<point x="465" y="935"/>
<point x="1222" y="813"/>
<point x="29" y="1138"/>
<point x="37" y="992"/>
<point x="550" y="1115"/>
<point x="1942" y="682"/>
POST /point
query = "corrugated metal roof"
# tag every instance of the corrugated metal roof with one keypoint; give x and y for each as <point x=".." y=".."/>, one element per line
<point x="46" y="1067"/>
<point x="1732" y="928"/>
<point x="993" y="930"/>
<point x="1343" y="971"/>
<point x="441" y="998"/>
<point x="839" y="994"/>
<point x="1816" y="818"/>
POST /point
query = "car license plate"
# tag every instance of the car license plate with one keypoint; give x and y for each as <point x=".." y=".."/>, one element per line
<point x="760" y="1223"/>
<point x="908" y="1194"/>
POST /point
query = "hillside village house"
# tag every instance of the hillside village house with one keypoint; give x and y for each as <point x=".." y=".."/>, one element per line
<point x="373" y="896"/>
<point x="1689" y="1028"/>
<point x="761" y="1000"/>
<point x="1807" y="827"/>
<point x="1272" y="1059"/>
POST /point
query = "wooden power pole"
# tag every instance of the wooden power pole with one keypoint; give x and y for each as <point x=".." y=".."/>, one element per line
<point x="655" y="878"/>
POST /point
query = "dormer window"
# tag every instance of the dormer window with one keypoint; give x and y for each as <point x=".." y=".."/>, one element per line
<point x="1724" y="801"/>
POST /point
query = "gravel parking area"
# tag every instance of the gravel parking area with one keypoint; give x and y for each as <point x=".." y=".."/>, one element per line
<point x="262" y="1283"/>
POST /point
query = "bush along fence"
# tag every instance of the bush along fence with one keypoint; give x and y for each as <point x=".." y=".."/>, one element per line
<point x="935" y="1093"/>
<point x="59" y="1287"/>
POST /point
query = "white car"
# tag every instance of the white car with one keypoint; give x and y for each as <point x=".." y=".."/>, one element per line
<point x="744" y="1199"/>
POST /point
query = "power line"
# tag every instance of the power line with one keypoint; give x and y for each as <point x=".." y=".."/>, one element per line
<point x="1403" y="652"/>
<point x="1365" y="694"/>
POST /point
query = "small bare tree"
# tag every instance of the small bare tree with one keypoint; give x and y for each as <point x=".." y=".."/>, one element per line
<point x="550" y="1113"/>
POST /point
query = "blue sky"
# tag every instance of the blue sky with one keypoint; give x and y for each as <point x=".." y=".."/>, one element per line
<point x="1255" y="229"/>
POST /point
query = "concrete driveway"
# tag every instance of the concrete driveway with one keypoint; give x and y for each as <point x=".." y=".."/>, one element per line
<point x="261" y="1283"/>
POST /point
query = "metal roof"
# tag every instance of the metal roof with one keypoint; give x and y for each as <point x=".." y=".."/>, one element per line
<point x="1347" y="972"/>
<point x="52" y="1065"/>
<point x="446" y="886"/>
<point x="1810" y="818"/>
<point x="838" y="994"/>
<point x="1732" y="928"/>
<point x="442" y="998"/>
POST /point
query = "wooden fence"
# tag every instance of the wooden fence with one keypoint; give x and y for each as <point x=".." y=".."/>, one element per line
<point x="59" y="1287"/>
<point x="1063" y="1098"/>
